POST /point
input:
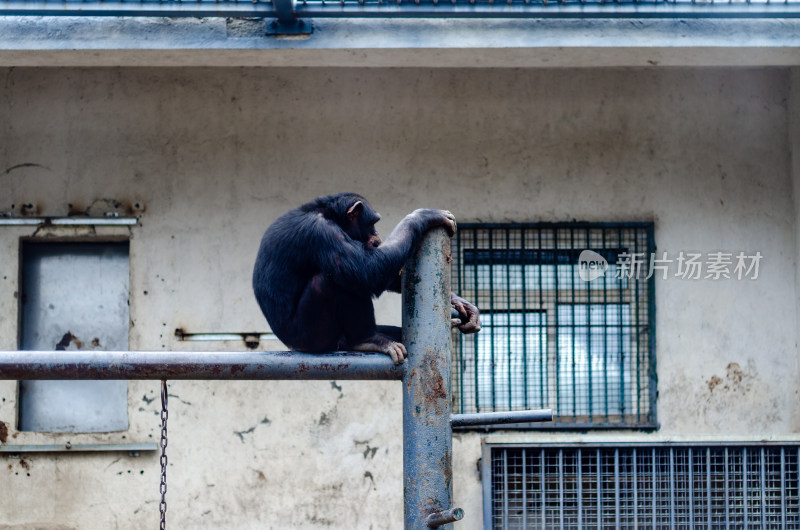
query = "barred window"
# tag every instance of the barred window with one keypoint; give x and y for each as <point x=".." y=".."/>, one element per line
<point x="567" y="323"/>
<point x="642" y="486"/>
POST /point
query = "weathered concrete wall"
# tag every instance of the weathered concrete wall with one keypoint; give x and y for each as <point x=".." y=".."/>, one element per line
<point x="211" y="156"/>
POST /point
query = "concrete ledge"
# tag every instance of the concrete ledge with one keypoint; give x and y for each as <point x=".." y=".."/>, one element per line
<point x="142" y="41"/>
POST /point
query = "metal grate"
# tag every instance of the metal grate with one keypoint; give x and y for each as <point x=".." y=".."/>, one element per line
<point x="553" y="335"/>
<point x="693" y="486"/>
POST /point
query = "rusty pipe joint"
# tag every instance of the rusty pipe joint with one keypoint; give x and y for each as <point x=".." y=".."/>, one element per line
<point x="437" y="519"/>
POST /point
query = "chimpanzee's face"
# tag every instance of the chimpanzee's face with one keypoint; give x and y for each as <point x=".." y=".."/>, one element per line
<point x="373" y="239"/>
<point x="361" y="222"/>
<point x="366" y="227"/>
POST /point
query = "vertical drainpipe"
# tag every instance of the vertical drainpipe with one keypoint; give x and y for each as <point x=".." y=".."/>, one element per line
<point x="427" y="434"/>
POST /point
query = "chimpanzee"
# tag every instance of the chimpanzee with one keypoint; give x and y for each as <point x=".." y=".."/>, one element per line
<point x="320" y="265"/>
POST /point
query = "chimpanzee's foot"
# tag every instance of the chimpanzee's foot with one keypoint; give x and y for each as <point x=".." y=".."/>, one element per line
<point x="383" y="344"/>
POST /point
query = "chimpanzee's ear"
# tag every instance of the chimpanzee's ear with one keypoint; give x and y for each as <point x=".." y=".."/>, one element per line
<point x="355" y="210"/>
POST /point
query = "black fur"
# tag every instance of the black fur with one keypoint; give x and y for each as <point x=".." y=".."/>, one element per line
<point x="318" y="269"/>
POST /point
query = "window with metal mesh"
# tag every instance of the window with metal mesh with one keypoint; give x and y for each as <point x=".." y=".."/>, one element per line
<point x="568" y="323"/>
<point x="647" y="486"/>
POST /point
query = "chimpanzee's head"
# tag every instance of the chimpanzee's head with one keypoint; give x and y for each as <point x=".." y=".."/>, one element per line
<point x="361" y="218"/>
<point x="357" y="218"/>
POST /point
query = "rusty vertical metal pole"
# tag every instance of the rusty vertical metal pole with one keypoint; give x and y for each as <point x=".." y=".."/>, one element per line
<point x="427" y="434"/>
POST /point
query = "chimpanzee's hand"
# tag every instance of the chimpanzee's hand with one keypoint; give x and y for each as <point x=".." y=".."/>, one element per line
<point x="433" y="218"/>
<point x="469" y="311"/>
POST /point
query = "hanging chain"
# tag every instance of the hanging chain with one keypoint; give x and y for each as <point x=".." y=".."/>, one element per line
<point x="163" y="488"/>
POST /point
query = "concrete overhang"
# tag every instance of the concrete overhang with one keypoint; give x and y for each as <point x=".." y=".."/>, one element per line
<point x="44" y="41"/>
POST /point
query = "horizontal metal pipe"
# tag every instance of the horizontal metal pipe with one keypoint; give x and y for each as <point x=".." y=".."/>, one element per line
<point x="27" y="365"/>
<point x="554" y="10"/>
<point x="498" y="418"/>
<point x="68" y="221"/>
<point x="437" y="519"/>
<point x="685" y="9"/>
<point x="136" y="9"/>
<point x="217" y="337"/>
<point x="582" y="426"/>
<point x="73" y="448"/>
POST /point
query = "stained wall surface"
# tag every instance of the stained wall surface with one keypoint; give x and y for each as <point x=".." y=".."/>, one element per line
<point x="207" y="158"/>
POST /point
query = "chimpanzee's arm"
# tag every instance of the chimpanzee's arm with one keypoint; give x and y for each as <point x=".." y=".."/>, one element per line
<point x="355" y="267"/>
<point x="396" y="284"/>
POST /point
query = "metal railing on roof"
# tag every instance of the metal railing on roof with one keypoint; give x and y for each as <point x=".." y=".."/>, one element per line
<point x="292" y="10"/>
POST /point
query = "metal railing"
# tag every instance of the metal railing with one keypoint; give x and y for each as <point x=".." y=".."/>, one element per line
<point x="290" y="10"/>
<point x="427" y="418"/>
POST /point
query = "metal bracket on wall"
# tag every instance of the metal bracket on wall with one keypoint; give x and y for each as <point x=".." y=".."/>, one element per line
<point x="287" y="22"/>
<point x="278" y="28"/>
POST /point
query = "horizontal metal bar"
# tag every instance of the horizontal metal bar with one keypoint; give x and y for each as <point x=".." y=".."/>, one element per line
<point x="136" y="9"/>
<point x="559" y="426"/>
<point x="71" y="448"/>
<point x="442" y="9"/>
<point x="553" y="10"/>
<point x="68" y="221"/>
<point x="212" y="337"/>
<point x="26" y="365"/>
<point x="71" y="221"/>
<point x="19" y="221"/>
<point x="498" y="418"/>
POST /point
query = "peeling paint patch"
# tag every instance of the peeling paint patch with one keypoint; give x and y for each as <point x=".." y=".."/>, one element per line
<point x="369" y="452"/>
<point x="714" y="382"/>
<point x="3" y="432"/>
<point x="736" y="380"/>
<point x="176" y="396"/>
<point x="241" y="434"/>
<point x="68" y="339"/>
<point x="736" y="386"/>
<point x="446" y="467"/>
<point x="734" y="373"/>
<point x="317" y="521"/>
<point x="432" y="385"/>
<point x="324" y="420"/>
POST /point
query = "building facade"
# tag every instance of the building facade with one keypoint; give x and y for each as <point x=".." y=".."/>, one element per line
<point x="676" y="396"/>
